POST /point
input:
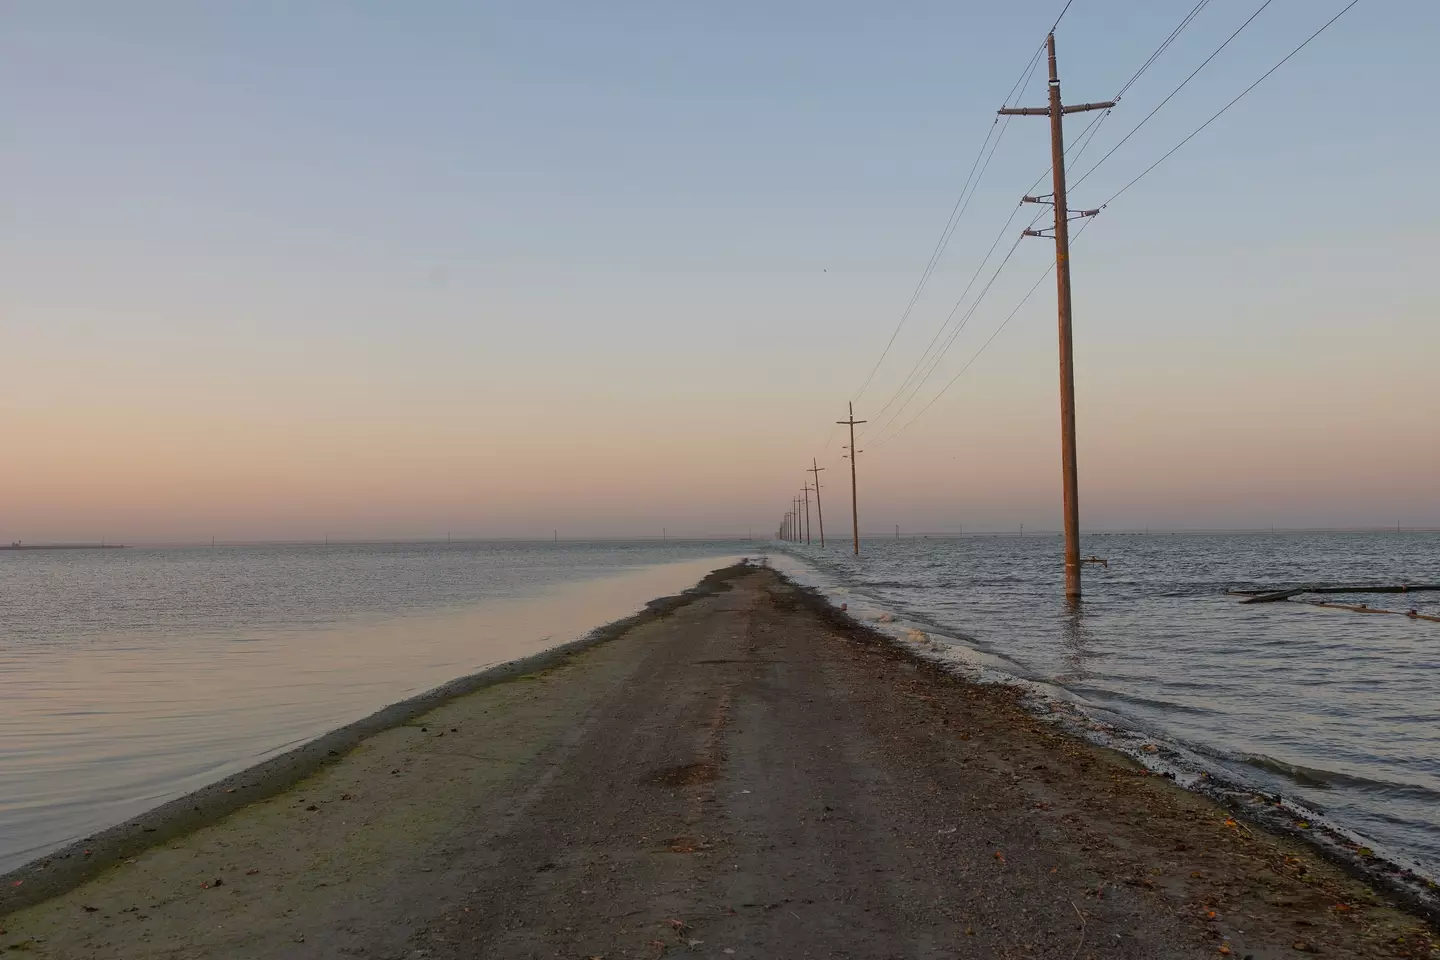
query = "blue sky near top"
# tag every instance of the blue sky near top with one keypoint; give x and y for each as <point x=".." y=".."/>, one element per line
<point x="392" y="268"/>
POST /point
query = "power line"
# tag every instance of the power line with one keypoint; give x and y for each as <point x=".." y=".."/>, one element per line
<point x="1135" y="129"/>
<point x="1006" y="322"/>
<point x="1079" y="146"/>
<point x="930" y="363"/>
<point x="1063" y="10"/>
<point x="1238" y="98"/>
<point x="1344" y="10"/>
<point x="1082" y="142"/>
<point x="957" y="212"/>
<point x="972" y="185"/>
<point x="1194" y="12"/>
<point x="934" y="362"/>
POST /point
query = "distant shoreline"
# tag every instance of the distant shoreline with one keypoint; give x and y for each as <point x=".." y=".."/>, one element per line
<point x="63" y="546"/>
<point x="865" y="536"/>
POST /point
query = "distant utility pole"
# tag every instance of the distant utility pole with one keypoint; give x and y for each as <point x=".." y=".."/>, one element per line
<point x="854" y="507"/>
<point x="897" y="531"/>
<point x="1056" y="112"/>
<point x="807" y="514"/>
<point x="815" y="468"/>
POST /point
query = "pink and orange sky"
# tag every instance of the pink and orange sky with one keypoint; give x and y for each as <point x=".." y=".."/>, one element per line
<point x="496" y="271"/>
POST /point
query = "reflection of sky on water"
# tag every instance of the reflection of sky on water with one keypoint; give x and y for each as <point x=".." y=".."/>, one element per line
<point x="127" y="679"/>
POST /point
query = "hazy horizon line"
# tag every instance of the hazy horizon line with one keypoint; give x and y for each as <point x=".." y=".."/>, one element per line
<point x="838" y="538"/>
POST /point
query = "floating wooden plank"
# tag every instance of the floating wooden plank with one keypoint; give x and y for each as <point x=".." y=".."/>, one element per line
<point x="1362" y="608"/>
<point x="1271" y="596"/>
<point x="1400" y="588"/>
<point x="1276" y="595"/>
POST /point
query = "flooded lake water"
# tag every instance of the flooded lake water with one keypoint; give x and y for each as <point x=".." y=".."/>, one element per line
<point x="128" y="677"/>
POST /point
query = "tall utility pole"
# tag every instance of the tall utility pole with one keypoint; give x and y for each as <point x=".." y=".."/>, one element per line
<point x="815" y="468"/>
<point x="807" y="514"/>
<point x="854" y="507"/>
<point x="1056" y="112"/>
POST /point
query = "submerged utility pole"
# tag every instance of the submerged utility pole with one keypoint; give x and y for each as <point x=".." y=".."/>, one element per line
<point x="815" y="468"/>
<point x="1056" y="112"/>
<point x="807" y="514"/>
<point x="854" y="507"/>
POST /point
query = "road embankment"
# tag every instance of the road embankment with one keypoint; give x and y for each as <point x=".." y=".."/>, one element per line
<point x="740" y="772"/>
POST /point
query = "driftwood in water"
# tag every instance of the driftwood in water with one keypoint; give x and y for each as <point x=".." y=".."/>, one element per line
<point x="1362" y="608"/>
<point x="1402" y="588"/>
<point x="1270" y="596"/>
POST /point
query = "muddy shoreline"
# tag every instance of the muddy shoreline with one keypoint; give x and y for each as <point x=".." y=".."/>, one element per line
<point x="1408" y="890"/>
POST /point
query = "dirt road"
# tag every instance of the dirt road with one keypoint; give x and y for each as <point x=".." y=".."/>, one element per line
<point x="748" y="776"/>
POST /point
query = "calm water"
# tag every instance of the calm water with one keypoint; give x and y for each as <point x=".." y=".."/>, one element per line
<point x="128" y="677"/>
<point x="1338" y="710"/>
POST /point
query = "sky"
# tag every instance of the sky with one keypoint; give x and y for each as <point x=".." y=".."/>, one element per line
<point x="276" y="271"/>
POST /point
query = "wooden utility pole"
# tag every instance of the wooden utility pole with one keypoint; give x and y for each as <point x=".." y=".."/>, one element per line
<point x="807" y="514"/>
<point x="1056" y="112"/>
<point x="815" y="468"/>
<point x="854" y="507"/>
